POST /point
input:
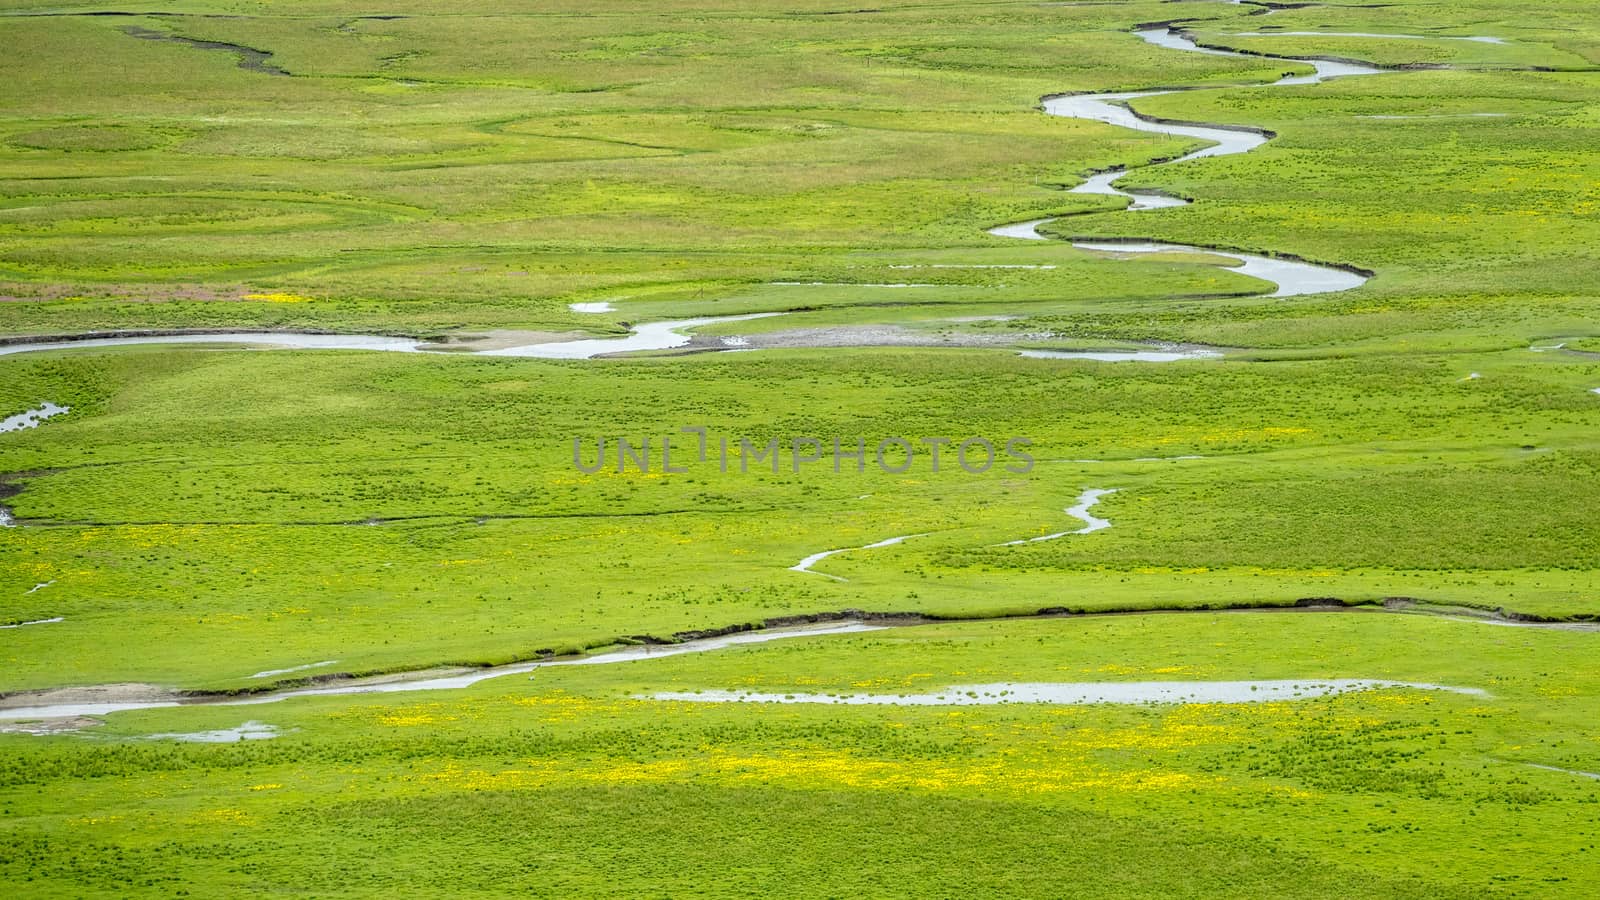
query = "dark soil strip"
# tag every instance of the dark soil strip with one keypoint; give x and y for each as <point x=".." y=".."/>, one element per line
<point x="250" y="59"/>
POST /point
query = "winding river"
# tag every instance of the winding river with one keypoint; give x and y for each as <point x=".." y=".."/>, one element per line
<point x="805" y="565"/>
<point x="1291" y="277"/>
<point x="1091" y="523"/>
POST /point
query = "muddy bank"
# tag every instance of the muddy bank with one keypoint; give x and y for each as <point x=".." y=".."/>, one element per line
<point x="250" y="59"/>
<point x="101" y="700"/>
<point x="43" y="727"/>
<point x="86" y="702"/>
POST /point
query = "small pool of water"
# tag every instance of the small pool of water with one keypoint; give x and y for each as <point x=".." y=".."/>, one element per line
<point x="249" y="731"/>
<point x="30" y="418"/>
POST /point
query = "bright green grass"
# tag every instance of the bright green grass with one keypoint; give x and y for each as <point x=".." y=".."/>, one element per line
<point x="394" y="511"/>
<point x="467" y="171"/>
<point x="568" y="782"/>
<point x="202" y="516"/>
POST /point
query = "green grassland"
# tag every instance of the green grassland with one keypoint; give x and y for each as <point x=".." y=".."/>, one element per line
<point x="521" y="162"/>
<point x="206" y="513"/>
<point x="570" y="782"/>
<point x="397" y="510"/>
<point x="438" y="172"/>
<point x="416" y="511"/>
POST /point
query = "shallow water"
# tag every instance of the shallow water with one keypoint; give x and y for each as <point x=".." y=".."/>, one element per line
<point x="30" y="418"/>
<point x="249" y="731"/>
<point x="1024" y="231"/>
<point x="37" y="621"/>
<point x="451" y="682"/>
<point x="1578" y="772"/>
<point x="805" y="565"/>
<point x="649" y="336"/>
<point x="277" y="339"/>
<point x="292" y="669"/>
<point x="1368" y="34"/>
<point x="1544" y="626"/>
<point x="602" y="306"/>
<point x="1086" y="501"/>
<point x="1147" y="356"/>
<point x="1109" y="108"/>
<point x="67" y="710"/>
<point x="1292" y="278"/>
<point x="250" y="59"/>
<point x="1141" y="200"/>
<point x="1081" y="693"/>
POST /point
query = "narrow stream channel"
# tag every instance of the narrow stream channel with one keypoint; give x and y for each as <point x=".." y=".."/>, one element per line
<point x="451" y="681"/>
<point x="1091" y="523"/>
<point x="1292" y="277"/>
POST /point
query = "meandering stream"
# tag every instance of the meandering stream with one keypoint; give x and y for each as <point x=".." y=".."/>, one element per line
<point x="805" y="565"/>
<point x="1091" y="523"/>
<point x="1291" y="277"/>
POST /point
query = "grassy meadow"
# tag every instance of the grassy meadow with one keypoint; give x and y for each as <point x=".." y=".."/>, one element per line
<point x="213" y="518"/>
<point x="577" y="782"/>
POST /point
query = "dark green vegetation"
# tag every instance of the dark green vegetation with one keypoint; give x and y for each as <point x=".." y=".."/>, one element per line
<point x="203" y="516"/>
